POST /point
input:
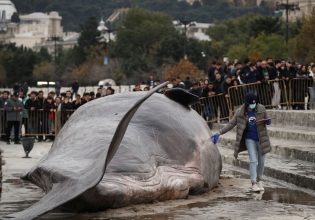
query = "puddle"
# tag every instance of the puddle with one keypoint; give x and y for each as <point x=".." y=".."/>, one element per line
<point x="284" y="195"/>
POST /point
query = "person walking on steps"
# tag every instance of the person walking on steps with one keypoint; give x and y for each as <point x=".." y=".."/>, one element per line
<point x="251" y="135"/>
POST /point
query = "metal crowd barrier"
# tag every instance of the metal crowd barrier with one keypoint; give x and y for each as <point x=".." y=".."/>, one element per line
<point x="48" y="123"/>
<point x="273" y="93"/>
<point x="38" y="122"/>
<point x="213" y="108"/>
<point x="300" y="91"/>
<point x="3" y="121"/>
<point x="297" y="92"/>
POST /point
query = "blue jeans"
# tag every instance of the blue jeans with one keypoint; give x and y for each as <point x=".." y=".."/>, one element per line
<point x="256" y="159"/>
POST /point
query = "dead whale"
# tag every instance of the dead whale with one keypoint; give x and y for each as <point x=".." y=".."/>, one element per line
<point x="97" y="163"/>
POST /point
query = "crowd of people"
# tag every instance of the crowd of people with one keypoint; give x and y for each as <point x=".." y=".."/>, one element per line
<point x="222" y="76"/>
<point x="36" y="111"/>
<point x="19" y="108"/>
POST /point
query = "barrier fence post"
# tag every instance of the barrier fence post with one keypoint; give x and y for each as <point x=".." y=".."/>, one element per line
<point x="299" y="92"/>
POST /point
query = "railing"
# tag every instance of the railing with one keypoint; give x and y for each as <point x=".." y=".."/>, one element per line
<point x="295" y="93"/>
<point x="273" y="94"/>
<point x="299" y="90"/>
<point x="213" y="108"/>
<point x="38" y="122"/>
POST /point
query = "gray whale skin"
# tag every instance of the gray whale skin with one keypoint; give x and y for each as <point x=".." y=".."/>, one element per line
<point x="97" y="163"/>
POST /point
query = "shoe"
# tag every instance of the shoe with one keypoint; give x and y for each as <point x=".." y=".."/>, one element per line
<point x="255" y="188"/>
<point x="260" y="185"/>
<point x="17" y="142"/>
<point x="8" y="142"/>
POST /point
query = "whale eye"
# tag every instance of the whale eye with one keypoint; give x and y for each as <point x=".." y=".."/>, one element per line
<point x="116" y="113"/>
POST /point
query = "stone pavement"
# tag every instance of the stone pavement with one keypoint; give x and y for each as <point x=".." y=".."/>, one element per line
<point x="16" y="192"/>
<point x="230" y="200"/>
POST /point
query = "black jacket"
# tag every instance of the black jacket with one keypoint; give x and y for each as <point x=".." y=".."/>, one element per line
<point x="32" y="103"/>
<point x="217" y="86"/>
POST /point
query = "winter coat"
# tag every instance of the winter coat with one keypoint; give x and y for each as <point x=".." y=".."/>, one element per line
<point x="25" y="111"/>
<point x="217" y="86"/>
<point x="32" y="104"/>
<point x="13" y="115"/>
<point x="50" y="110"/>
<point x="225" y="87"/>
<point x="240" y="120"/>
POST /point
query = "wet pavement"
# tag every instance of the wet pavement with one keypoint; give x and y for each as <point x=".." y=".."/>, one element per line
<point x="230" y="200"/>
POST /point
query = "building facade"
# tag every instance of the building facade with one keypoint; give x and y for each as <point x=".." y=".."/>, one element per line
<point x="36" y="28"/>
<point x="194" y="30"/>
<point x="33" y="30"/>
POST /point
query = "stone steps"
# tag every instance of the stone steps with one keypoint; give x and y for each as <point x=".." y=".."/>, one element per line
<point x="298" y="172"/>
<point x="306" y="135"/>
<point x="288" y="149"/>
<point x="294" y="133"/>
<point x="292" y="159"/>
<point x="288" y="118"/>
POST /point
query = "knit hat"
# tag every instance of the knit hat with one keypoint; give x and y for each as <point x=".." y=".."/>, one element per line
<point x="250" y="98"/>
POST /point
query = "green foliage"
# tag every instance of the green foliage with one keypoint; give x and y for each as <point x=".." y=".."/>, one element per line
<point x="148" y="40"/>
<point x="262" y="46"/>
<point x="268" y="46"/>
<point x="252" y="36"/>
<point x="76" y="12"/>
<point x="264" y="24"/>
<point x="304" y="43"/>
<point x="44" y="71"/>
<point x="238" y="51"/>
<point x="199" y="53"/>
<point x="138" y="39"/>
<point x="239" y="31"/>
<point x="86" y="41"/>
<point x="171" y="48"/>
<point x="18" y="62"/>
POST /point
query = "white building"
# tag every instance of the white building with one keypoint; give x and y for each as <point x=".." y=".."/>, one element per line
<point x="7" y="9"/>
<point x="33" y="30"/>
<point x="194" y="30"/>
<point x="37" y="28"/>
<point x="191" y="2"/>
<point x="107" y="34"/>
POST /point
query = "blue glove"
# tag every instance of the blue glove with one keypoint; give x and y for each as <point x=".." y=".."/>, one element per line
<point x="268" y="121"/>
<point x="215" y="137"/>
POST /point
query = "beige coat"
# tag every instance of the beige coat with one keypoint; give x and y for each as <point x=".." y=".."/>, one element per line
<point x="240" y="120"/>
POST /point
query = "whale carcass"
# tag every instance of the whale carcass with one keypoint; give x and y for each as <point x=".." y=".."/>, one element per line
<point x="126" y="149"/>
